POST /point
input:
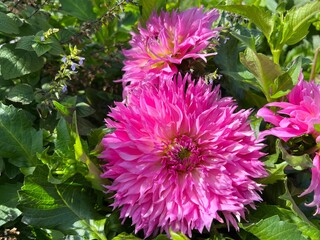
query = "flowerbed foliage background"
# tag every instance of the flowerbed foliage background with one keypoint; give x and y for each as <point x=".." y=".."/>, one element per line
<point x="58" y="63"/>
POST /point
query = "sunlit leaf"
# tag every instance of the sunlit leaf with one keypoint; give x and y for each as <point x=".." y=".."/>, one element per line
<point x="260" y="16"/>
<point x="297" y="22"/>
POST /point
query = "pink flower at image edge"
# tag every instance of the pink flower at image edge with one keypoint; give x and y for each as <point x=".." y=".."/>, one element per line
<point x="295" y="118"/>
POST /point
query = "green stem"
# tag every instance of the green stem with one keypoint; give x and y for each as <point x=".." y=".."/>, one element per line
<point x="314" y="64"/>
<point x="276" y="55"/>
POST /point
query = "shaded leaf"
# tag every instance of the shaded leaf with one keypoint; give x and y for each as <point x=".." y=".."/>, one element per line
<point x="19" y="141"/>
<point x="297" y="162"/>
<point x="67" y="207"/>
<point x="41" y="49"/>
<point x="81" y="9"/>
<point x="22" y="93"/>
<point x="25" y="43"/>
<point x="9" y="202"/>
<point x="8" y="25"/>
<point x="16" y="63"/>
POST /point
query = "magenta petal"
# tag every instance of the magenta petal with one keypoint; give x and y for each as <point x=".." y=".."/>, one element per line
<point x="181" y="157"/>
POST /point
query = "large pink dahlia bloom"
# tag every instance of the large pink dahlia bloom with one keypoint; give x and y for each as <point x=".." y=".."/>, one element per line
<point x="296" y="117"/>
<point x="180" y="157"/>
<point x="167" y="39"/>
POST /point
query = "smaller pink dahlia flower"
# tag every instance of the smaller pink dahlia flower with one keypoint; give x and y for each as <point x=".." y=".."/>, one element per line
<point x="180" y="157"/>
<point x="295" y="118"/>
<point x="166" y="41"/>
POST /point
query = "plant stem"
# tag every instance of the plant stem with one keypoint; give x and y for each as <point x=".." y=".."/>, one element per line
<point x="276" y="55"/>
<point x="314" y="64"/>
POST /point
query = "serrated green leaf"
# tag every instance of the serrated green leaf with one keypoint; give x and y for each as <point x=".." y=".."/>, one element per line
<point x="148" y="6"/>
<point x="67" y="207"/>
<point x="8" y="25"/>
<point x="273" y="228"/>
<point x="22" y="93"/>
<point x="260" y="16"/>
<point x="317" y="127"/>
<point x="15" y="63"/>
<point x="299" y="220"/>
<point x="81" y="9"/>
<point x="41" y="49"/>
<point x="297" y="22"/>
<point x="19" y="141"/>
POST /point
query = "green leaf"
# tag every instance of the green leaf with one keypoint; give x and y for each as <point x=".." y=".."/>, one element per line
<point x="260" y="16"/>
<point x="84" y="109"/>
<point x="295" y="70"/>
<point x="9" y="202"/>
<point x="22" y="93"/>
<point x="67" y="207"/>
<point x="8" y="214"/>
<point x="275" y="170"/>
<point x="297" y="162"/>
<point x="297" y="22"/>
<point x="81" y="9"/>
<point x="301" y="223"/>
<point x="41" y="49"/>
<point x="19" y="141"/>
<point x="262" y="67"/>
<point x="25" y="43"/>
<point x="8" y="25"/>
<point x="61" y="108"/>
<point x="149" y="6"/>
<point x="281" y="86"/>
<point x="317" y="127"/>
<point x="178" y="236"/>
<point x="305" y="226"/>
<point x="15" y="63"/>
<point x="62" y="163"/>
<point x="273" y="228"/>
<point x="125" y="236"/>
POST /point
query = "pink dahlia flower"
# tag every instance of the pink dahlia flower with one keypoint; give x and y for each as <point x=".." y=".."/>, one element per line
<point x="166" y="41"/>
<point x="295" y="118"/>
<point x="180" y="157"/>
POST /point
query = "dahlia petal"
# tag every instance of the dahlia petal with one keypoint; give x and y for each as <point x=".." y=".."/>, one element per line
<point x="185" y="164"/>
